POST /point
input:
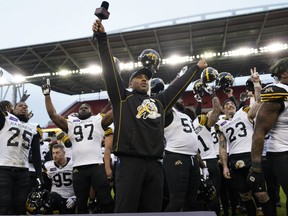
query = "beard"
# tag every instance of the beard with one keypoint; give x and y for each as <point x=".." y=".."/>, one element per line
<point x="22" y="117"/>
<point x="83" y="116"/>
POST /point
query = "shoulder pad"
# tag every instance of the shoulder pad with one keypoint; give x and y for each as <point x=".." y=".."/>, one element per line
<point x="39" y="131"/>
<point x="202" y="119"/>
<point x="273" y="93"/>
<point x="246" y="108"/>
<point x="216" y="127"/>
<point x="108" y="131"/>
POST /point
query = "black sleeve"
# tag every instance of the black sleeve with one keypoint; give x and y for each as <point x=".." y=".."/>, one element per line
<point x="198" y="109"/>
<point x="112" y="79"/>
<point x="173" y="92"/>
<point x="48" y="156"/>
<point x="36" y="156"/>
<point x="2" y="119"/>
<point x="47" y="180"/>
<point x="168" y="118"/>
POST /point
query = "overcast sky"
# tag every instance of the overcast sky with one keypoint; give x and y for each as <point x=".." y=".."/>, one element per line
<point x="30" y="22"/>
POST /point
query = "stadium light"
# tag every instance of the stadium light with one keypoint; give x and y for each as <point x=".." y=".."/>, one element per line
<point x="275" y="47"/>
<point x="18" y="79"/>
<point x="3" y="81"/>
<point x="173" y="60"/>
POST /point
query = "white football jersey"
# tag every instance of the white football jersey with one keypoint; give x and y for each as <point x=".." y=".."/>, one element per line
<point x="16" y="138"/>
<point x="238" y="131"/>
<point x="278" y="141"/>
<point x="215" y="140"/>
<point x="86" y="138"/>
<point x="62" y="181"/>
<point x="179" y="135"/>
<point x="206" y="145"/>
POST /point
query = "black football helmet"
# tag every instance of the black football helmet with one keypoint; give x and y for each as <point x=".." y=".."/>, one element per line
<point x="199" y="88"/>
<point x="38" y="202"/>
<point x="206" y="190"/>
<point x="224" y="81"/>
<point x="249" y="85"/>
<point x="157" y="85"/>
<point x="151" y="59"/>
<point x="209" y="75"/>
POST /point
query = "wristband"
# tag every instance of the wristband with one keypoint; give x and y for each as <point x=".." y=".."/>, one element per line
<point x="256" y="84"/>
<point x="257" y="166"/>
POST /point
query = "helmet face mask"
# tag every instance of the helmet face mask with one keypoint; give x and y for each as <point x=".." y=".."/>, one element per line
<point x="224" y="81"/>
<point x="206" y="190"/>
<point x="209" y="75"/>
<point x="199" y="88"/>
<point x="38" y="202"/>
<point x="156" y="86"/>
<point x="151" y="59"/>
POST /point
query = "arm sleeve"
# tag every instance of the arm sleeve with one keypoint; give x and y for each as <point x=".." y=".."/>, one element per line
<point x="198" y="109"/>
<point x="177" y="87"/>
<point x="36" y="156"/>
<point x="47" y="180"/>
<point x="112" y="79"/>
<point x="2" y="118"/>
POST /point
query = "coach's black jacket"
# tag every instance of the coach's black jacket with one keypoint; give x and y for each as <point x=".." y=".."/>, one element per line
<point x="138" y="118"/>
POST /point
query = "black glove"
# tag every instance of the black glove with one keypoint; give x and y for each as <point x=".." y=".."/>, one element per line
<point x="39" y="184"/>
<point x="256" y="181"/>
<point x="243" y="96"/>
<point x="46" y="88"/>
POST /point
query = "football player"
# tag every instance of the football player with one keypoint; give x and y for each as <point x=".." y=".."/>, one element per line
<point x="272" y="118"/>
<point x="202" y="126"/>
<point x="236" y="130"/>
<point x="85" y="132"/>
<point x="17" y="137"/>
<point x="59" y="171"/>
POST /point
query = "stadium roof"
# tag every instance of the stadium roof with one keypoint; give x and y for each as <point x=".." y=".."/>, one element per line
<point x="219" y="35"/>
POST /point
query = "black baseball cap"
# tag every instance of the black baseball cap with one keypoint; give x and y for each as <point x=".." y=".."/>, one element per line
<point x="144" y="70"/>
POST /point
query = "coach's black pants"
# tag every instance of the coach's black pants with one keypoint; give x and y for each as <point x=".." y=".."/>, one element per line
<point x="139" y="185"/>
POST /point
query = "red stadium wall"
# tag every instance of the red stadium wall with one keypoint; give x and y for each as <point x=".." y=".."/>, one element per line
<point x="188" y="100"/>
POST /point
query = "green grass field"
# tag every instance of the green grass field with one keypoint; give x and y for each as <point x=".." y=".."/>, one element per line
<point x="281" y="211"/>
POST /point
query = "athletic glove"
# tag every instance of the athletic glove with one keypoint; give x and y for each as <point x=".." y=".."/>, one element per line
<point x="198" y="98"/>
<point x="39" y="184"/>
<point x="46" y="88"/>
<point x="205" y="173"/>
<point x="256" y="181"/>
<point x="243" y="96"/>
<point x="70" y="202"/>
